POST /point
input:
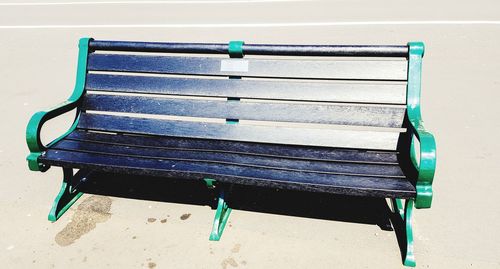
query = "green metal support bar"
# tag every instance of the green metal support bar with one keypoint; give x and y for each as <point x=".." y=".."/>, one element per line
<point x="426" y="166"/>
<point x="67" y="196"/>
<point x="406" y="213"/>
<point x="221" y="217"/>
<point x="410" y="256"/>
<point x="38" y="119"/>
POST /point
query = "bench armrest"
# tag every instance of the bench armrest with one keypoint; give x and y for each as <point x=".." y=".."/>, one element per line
<point x="36" y="122"/>
<point x="34" y="128"/>
<point x="426" y="165"/>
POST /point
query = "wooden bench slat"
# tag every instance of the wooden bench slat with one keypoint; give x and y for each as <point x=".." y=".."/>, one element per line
<point x="325" y="167"/>
<point x="242" y="148"/>
<point x="239" y="132"/>
<point x="319" y="69"/>
<point x="275" y="178"/>
<point x="341" y="114"/>
<point x="254" y="89"/>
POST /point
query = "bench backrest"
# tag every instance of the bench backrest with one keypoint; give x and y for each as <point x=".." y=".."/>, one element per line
<point x="304" y="95"/>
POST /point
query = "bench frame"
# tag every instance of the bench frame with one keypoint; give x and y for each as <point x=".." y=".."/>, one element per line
<point x="424" y="162"/>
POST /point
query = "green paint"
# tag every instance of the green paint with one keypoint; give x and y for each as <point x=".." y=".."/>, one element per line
<point x="32" y="132"/>
<point x="409" y="259"/>
<point x="38" y="119"/>
<point x="209" y="182"/>
<point x="65" y="198"/>
<point x="33" y="164"/>
<point x="413" y="152"/>
<point x="235" y="49"/>
<point x="399" y="207"/>
<point x="405" y="211"/>
<point x="221" y="217"/>
<point x="427" y="164"/>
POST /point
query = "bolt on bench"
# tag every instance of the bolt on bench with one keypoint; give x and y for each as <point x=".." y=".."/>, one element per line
<point x="336" y="119"/>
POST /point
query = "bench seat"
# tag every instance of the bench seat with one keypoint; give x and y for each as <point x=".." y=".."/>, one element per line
<point x="320" y="169"/>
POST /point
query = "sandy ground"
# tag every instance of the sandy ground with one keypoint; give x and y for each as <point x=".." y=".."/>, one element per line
<point x="461" y="80"/>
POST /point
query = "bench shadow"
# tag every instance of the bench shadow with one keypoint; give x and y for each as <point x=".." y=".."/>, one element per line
<point x="364" y="210"/>
<point x="361" y="210"/>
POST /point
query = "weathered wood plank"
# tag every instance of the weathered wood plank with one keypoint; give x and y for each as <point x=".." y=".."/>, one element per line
<point x="246" y="148"/>
<point x="239" y="132"/>
<point x="252" y="89"/>
<point x="319" y="69"/>
<point x="341" y="114"/>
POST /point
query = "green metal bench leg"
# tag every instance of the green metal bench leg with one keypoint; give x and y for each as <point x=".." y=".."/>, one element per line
<point x="407" y="216"/>
<point x="221" y="217"/>
<point x="399" y="204"/>
<point x="67" y="196"/>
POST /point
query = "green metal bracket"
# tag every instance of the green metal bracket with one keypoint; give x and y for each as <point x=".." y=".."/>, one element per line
<point x="427" y="165"/>
<point x="38" y="119"/>
<point x="407" y="216"/>
<point x="235" y="49"/>
<point x="33" y="163"/>
<point x="209" y="182"/>
<point x="221" y="217"/>
<point x="67" y="196"/>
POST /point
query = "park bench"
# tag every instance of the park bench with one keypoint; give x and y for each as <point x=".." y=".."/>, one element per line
<point x="337" y="119"/>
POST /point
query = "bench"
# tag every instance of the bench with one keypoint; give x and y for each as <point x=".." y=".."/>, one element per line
<point x="337" y="119"/>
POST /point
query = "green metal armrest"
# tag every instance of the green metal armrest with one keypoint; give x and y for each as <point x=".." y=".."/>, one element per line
<point x="426" y="166"/>
<point x="36" y="122"/>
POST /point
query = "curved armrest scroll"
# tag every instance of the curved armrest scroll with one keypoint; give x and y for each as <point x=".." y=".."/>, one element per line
<point x="38" y="119"/>
<point x="34" y="128"/>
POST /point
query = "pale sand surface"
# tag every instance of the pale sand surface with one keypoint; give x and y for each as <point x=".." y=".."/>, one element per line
<point x="461" y="83"/>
